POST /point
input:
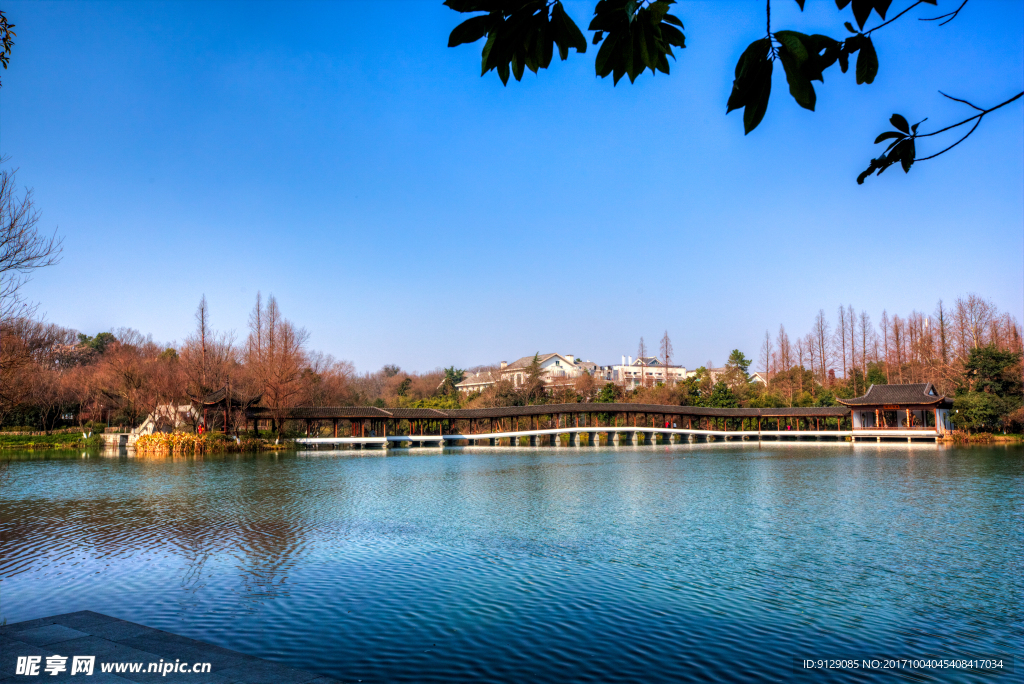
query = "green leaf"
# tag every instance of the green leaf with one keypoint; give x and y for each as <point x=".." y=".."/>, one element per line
<point x="762" y="90"/>
<point x="900" y="123"/>
<point x="801" y="3"/>
<point x="849" y="27"/>
<point x="673" y="36"/>
<point x="605" y="62"/>
<point x="799" y="85"/>
<point x="867" y="62"/>
<point x="844" y="60"/>
<point x="658" y="10"/>
<point x="598" y="37"/>
<point x="471" y="30"/>
<point x="486" y="53"/>
<point x="793" y="42"/>
<point x="907" y="154"/>
<point x="570" y="32"/>
<point x="887" y="135"/>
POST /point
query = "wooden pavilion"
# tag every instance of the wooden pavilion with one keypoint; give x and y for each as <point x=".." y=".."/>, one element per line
<point x="901" y="407"/>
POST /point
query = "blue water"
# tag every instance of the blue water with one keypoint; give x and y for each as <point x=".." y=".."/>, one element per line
<point x="649" y="564"/>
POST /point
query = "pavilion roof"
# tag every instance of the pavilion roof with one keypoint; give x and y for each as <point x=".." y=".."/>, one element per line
<point x="923" y="393"/>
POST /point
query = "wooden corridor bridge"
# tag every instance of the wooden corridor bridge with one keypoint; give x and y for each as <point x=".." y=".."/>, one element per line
<point x="588" y="424"/>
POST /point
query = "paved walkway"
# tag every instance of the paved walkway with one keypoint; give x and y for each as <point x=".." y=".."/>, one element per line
<point x="116" y="641"/>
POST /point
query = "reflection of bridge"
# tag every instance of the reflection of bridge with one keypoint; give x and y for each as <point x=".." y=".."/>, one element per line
<point x="576" y="425"/>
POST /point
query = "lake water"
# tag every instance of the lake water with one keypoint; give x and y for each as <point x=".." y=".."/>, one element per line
<point x="674" y="563"/>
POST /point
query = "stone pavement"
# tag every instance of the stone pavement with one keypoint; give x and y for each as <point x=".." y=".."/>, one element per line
<point x="116" y="641"/>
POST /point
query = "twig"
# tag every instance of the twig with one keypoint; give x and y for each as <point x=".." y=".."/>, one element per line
<point x="976" y="116"/>
<point x="976" y="119"/>
<point x="951" y="15"/>
<point x="868" y="32"/>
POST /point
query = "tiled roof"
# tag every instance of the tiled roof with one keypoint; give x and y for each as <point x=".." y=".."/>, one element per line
<point x="695" y="411"/>
<point x="920" y="393"/>
<point x="319" y="412"/>
<point x="471" y="379"/>
<point x="417" y="413"/>
<point x="357" y="412"/>
<point x="527" y="360"/>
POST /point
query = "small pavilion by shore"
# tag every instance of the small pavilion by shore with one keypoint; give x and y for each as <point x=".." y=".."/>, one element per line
<point x="901" y="407"/>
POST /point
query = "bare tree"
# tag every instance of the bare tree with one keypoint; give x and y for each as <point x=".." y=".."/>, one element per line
<point x="884" y="323"/>
<point x="842" y="340"/>
<point x="822" y="344"/>
<point x="22" y="248"/>
<point x="641" y="355"/>
<point x="866" y="332"/>
<point x="666" y="356"/>
<point x="785" y="350"/>
<point x="767" y="359"/>
<point x="207" y="356"/>
<point x="275" y="357"/>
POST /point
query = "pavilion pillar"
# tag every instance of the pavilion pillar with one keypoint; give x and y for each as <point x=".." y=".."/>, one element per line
<point x="335" y="428"/>
<point x="878" y="424"/>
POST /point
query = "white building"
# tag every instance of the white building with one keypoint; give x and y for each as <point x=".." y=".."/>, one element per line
<point x="648" y="370"/>
<point x="556" y="370"/>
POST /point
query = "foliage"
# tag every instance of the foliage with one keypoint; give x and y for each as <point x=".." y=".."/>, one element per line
<point x="609" y="394"/>
<point x="441" y="402"/>
<point x="639" y="35"/>
<point x="994" y="371"/>
<point x="739" y="361"/>
<point x="8" y="35"/>
<point x="98" y="343"/>
<point x="978" y="411"/>
<point x="521" y="34"/>
<point x="452" y="377"/>
<point x="59" y="441"/>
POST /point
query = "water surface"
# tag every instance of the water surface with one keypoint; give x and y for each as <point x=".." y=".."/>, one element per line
<point x="673" y="563"/>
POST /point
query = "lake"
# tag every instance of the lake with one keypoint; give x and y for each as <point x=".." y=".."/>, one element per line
<point x="636" y="564"/>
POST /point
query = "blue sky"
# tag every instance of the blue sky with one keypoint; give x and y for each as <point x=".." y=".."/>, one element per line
<point x="405" y="210"/>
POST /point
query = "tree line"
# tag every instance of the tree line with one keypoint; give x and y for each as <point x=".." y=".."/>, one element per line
<point x="51" y="376"/>
<point x="969" y="351"/>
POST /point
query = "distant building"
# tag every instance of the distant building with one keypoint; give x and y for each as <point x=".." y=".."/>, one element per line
<point x="556" y="370"/>
<point x="477" y="382"/>
<point x="649" y="369"/>
<point x="761" y="377"/>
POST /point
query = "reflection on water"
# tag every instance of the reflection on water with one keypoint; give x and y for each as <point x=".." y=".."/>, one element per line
<point x="643" y="564"/>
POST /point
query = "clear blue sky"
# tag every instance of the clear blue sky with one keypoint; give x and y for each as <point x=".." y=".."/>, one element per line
<point x="405" y="210"/>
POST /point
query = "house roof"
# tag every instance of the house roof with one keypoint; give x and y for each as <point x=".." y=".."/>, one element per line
<point x="527" y="360"/>
<point x="923" y="393"/>
<point x="471" y="379"/>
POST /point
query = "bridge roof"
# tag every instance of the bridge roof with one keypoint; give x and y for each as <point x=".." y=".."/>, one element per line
<point x="417" y="413"/>
<point x="693" y="411"/>
<point x="372" y="412"/>
<point x="318" y="412"/>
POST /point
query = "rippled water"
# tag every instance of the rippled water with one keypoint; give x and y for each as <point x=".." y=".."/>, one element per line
<point x="702" y="562"/>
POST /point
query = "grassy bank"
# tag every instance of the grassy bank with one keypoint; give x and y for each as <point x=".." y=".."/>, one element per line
<point x="59" y="441"/>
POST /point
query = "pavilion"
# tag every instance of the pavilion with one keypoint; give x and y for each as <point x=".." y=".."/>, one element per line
<point x="901" y="407"/>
